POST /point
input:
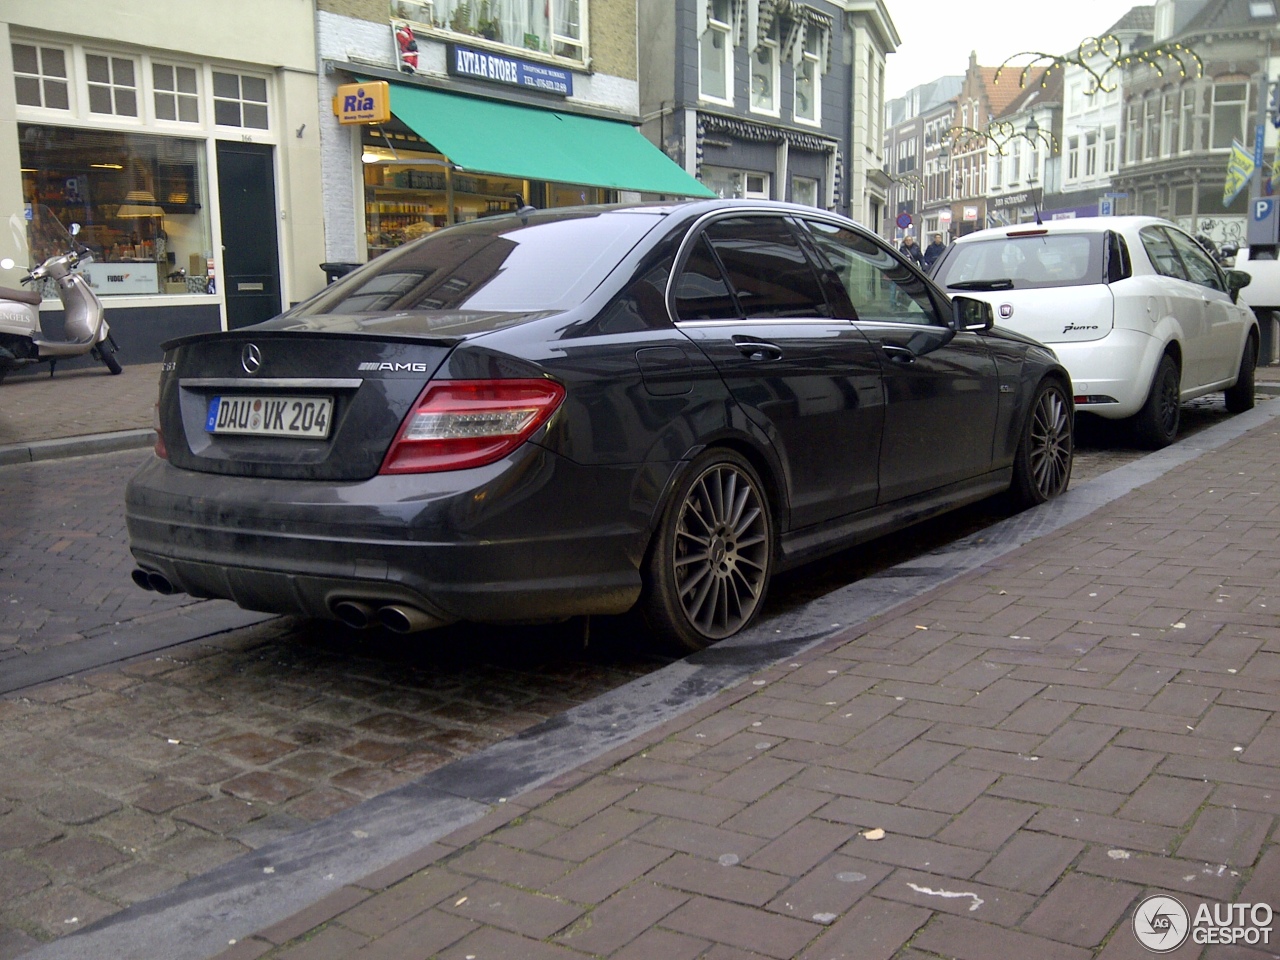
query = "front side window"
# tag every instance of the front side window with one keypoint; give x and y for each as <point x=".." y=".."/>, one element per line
<point x="764" y="79"/>
<point x="766" y="268"/>
<point x="176" y="95"/>
<point x="40" y="76"/>
<point x="239" y="101"/>
<point x="113" y="84"/>
<point x="880" y="286"/>
<point x="1228" y="114"/>
<point x="716" y="56"/>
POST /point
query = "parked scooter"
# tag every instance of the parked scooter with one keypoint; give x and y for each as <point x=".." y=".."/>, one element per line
<point x="22" y="341"/>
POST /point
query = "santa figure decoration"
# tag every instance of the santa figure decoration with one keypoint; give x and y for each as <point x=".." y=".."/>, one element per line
<point x="406" y="47"/>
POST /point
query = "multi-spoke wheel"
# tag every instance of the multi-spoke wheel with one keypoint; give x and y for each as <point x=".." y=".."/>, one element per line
<point x="1042" y="464"/>
<point x="1156" y="424"/>
<point x="710" y="563"/>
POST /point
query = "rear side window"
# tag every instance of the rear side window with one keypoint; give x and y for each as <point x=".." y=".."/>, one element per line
<point x="701" y="292"/>
<point x="766" y="268"/>
<point x="1161" y="252"/>
<point x="548" y="262"/>
<point x="1027" y="262"/>
<point x="1200" y="268"/>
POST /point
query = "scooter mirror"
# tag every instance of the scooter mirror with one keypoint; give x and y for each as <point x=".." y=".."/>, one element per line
<point x="75" y="229"/>
<point x="6" y="263"/>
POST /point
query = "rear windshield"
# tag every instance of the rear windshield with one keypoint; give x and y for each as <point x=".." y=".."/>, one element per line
<point x="1042" y="260"/>
<point x="504" y="264"/>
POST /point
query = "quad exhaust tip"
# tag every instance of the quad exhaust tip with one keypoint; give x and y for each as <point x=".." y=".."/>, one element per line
<point x="396" y="617"/>
<point x="151" y="580"/>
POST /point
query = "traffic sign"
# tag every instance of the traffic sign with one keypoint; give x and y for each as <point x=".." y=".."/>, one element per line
<point x="1263" y="208"/>
<point x="1105" y="208"/>
<point x="904" y="220"/>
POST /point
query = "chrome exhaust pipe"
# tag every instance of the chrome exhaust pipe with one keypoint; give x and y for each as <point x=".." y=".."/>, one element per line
<point x="141" y="578"/>
<point x="357" y="615"/>
<point x="400" y="619"/>
<point x="161" y="584"/>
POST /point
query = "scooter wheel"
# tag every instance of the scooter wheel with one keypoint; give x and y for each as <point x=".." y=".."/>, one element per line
<point x="108" y="357"/>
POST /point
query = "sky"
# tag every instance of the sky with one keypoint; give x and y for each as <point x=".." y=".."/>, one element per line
<point x="937" y="35"/>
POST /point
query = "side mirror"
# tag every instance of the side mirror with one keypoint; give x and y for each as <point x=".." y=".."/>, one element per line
<point x="970" y="314"/>
<point x="1237" y="280"/>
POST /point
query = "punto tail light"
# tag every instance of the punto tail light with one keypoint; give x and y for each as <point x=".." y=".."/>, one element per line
<point x="457" y="424"/>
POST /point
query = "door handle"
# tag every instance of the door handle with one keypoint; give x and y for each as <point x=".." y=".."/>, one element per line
<point x="756" y="350"/>
<point x="899" y="354"/>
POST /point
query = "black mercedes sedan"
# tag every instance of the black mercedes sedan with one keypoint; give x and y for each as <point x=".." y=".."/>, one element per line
<point x="580" y="411"/>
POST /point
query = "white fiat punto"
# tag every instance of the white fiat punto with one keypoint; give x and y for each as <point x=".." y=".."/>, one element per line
<point x="1139" y="314"/>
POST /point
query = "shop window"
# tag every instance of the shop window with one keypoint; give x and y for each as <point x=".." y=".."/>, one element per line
<point x="113" y="84"/>
<point x="40" y="76"/>
<point x="764" y="79"/>
<point x="556" y="27"/>
<point x="716" y="56"/>
<point x="239" y="100"/>
<point x="1228" y="114"/>
<point x="176" y="94"/>
<point x="138" y="199"/>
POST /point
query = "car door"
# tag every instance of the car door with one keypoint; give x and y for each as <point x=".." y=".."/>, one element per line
<point x="941" y="389"/>
<point x="749" y="296"/>
<point x="1224" y="320"/>
<point x="1182" y="301"/>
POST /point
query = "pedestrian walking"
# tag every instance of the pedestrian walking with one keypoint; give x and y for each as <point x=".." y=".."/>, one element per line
<point x="933" y="251"/>
<point x="911" y="250"/>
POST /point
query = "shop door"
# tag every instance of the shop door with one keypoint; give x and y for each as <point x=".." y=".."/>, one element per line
<point x="250" y="249"/>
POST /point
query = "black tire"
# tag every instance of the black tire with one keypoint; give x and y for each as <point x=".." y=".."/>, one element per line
<point x="1240" y="397"/>
<point x="1042" y="463"/>
<point x="1156" y="424"/>
<point x="709" y="566"/>
<point x="106" y="351"/>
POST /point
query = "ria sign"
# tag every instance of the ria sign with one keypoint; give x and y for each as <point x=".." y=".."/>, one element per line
<point x="363" y="102"/>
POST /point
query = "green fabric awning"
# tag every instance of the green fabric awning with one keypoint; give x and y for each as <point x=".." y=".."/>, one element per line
<point x="485" y="136"/>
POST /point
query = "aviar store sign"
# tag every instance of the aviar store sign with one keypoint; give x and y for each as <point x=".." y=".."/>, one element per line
<point x="482" y="65"/>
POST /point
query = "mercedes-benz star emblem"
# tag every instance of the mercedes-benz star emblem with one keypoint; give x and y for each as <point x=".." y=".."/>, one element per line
<point x="251" y="358"/>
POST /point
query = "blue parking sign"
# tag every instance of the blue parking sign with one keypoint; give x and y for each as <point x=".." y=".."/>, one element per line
<point x="1263" y="207"/>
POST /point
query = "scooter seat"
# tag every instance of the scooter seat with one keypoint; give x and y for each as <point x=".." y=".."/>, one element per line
<point x="21" y="296"/>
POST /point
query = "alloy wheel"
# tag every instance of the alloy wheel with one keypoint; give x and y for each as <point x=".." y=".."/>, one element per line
<point x="721" y="551"/>
<point x="1050" y="445"/>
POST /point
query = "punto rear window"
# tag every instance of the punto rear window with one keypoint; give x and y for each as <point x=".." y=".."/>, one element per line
<point x="548" y="261"/>
<point x="1028" y="261"/>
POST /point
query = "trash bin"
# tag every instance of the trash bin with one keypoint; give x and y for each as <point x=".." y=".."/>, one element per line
<point x="335" y="271"/>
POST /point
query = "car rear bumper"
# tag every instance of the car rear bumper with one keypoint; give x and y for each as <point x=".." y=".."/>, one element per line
<point x="515" y="541"/>
<point x="1120" y="366"/>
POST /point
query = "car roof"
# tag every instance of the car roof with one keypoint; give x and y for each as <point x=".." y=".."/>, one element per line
<point x="1071" y="225"/>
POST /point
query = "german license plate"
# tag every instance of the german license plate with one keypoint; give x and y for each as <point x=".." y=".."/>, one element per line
<point x="273" y="416"/>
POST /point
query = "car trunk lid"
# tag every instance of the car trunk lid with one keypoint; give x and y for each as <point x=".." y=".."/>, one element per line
<point x="1054" y="315"/>
<point x="272" y="404"/>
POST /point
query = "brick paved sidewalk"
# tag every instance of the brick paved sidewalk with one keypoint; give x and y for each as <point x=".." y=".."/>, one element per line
<point x="1090" y="720"/>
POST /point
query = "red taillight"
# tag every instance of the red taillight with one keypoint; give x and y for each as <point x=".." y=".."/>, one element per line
<point x="161" y="450"/>
<point x="456" y="424"/>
